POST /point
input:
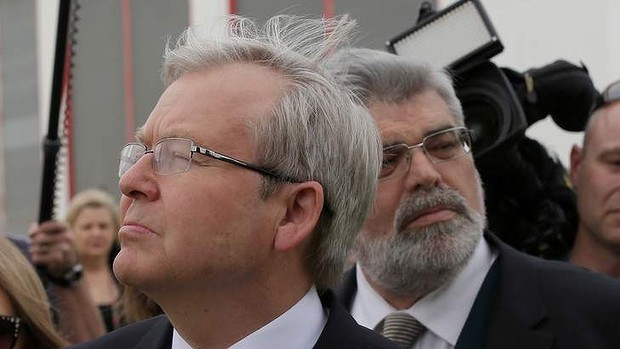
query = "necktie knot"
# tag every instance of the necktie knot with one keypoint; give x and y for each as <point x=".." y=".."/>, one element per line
<point x="401" y="328"/>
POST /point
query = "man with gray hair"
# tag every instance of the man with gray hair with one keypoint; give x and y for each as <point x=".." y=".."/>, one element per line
<point x="244" y="190"/>
<point x="427" y="273"/>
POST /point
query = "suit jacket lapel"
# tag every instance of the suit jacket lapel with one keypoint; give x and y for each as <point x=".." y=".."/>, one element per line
<point x="347" y="290"/>
<point x="341" y="330"/>
<point x="336" y="331"/>
<point x="474" y="332"/>
<point x="158" y="336"/>
<point x="518" y="308"/>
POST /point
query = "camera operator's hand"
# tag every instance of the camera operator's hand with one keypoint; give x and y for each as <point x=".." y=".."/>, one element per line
<point x="52" y="248"/>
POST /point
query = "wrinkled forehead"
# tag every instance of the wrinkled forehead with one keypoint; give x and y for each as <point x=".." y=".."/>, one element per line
<point x="413" y="119"/>
<point x="219" y="102"/>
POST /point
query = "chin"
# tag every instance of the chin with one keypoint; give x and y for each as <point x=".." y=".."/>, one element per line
<point x="135" y="270"/>
<point x="124" y="266"/>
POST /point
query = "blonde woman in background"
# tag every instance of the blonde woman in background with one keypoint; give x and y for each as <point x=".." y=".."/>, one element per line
<point x="93" y="218"/>
<point x="25" y="317"/>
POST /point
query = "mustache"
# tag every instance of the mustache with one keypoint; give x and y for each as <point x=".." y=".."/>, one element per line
<point x="429" y="198"/>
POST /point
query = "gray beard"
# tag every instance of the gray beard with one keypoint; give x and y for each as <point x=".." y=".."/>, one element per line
<point x="415" y="262"/>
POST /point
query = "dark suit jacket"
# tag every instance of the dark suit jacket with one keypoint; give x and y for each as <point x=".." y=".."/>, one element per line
<point x="340" y="332"/>
<point x="537" y="304"/>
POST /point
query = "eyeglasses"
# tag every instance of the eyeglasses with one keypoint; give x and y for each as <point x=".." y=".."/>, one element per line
<point x="610" y="94"/>
<point x="9" y="330"/>
<point x="440" y="146"/>
<point x="174" y="155"/>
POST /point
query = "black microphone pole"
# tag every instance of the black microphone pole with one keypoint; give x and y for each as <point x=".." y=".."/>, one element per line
<point x="51" y="143"/>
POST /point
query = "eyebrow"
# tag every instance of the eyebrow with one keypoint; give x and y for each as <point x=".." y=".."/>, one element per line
<point x="613" y="151"/>
<point x="140" y="135"/>
<point x="424" y="135"/>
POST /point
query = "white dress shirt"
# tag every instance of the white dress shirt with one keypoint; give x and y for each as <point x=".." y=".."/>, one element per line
<point x="297" y="328"/>
<point x="443" y="312"/>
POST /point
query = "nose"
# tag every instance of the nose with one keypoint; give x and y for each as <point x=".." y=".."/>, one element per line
<point x="98" y="230"/>
<point x="139" y="181"/>
<point x="422" y="171"/>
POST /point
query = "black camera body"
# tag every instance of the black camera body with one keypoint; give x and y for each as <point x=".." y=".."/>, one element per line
<point x="491" y="108"/>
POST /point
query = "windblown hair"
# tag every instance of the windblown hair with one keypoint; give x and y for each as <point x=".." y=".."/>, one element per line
<point x="21" y="283"/>
<point x="316" y="131"/>
<point x="377" y="76"/>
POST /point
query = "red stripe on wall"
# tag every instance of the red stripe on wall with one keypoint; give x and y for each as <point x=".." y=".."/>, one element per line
<point x="128" y="70"/>
<point x="328" y="8"/>
<point x="232" y="7"/>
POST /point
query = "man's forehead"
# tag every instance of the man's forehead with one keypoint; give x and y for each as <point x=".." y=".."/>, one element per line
<point x="606" y="119"/>
<point x="219" y="108"/>
<point x="604" y="128"/>
<point x="228" y="134"/>
<point x="414" y="118"/>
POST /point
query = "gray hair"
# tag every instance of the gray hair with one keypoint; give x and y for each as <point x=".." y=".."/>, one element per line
<point x="316" y="131"/>
<point x="377" y="76"/>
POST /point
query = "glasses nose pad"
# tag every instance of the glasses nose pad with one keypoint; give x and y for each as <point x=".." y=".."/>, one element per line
<point x="408" y="158"/>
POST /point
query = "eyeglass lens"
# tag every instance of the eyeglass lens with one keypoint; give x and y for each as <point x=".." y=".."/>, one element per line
<point x="170" y="156"/>
<point x="130" y="154"/>
<point x="442" y="146"/>
<point x="447" y="145"/>
<point x="9" y="330"/>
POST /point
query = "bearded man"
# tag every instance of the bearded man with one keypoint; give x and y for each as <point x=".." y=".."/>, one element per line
<point x="428" y="275"/>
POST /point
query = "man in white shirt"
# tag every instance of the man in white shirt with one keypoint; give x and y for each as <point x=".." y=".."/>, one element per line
<point x="244" y="190"/>
<point x="423" y="254"/>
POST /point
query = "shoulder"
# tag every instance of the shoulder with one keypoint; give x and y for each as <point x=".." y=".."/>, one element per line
<point x="561" y="284"/>
<point x="152" y="333"/>
<point x="341" y="330"/>
<point x="576" y="307"/>
<point x="580" y="285"/>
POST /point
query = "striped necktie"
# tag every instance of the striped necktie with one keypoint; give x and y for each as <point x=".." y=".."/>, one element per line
<point x="401" y="328"/>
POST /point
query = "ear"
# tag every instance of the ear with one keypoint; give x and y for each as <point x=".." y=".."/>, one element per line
<point x="303" y="209"/>
<point x="576" y="156"/>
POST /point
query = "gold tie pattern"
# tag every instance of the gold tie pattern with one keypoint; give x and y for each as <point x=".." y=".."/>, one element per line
<point x="401" y="328"/>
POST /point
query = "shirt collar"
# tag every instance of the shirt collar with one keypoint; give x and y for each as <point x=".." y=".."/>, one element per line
<point x="443" y="311"/>
<point x="297" y="328"/>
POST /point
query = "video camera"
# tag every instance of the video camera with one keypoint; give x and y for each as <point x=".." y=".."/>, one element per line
<point x="499" y="103"/>
<point x="529" y="203"/>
